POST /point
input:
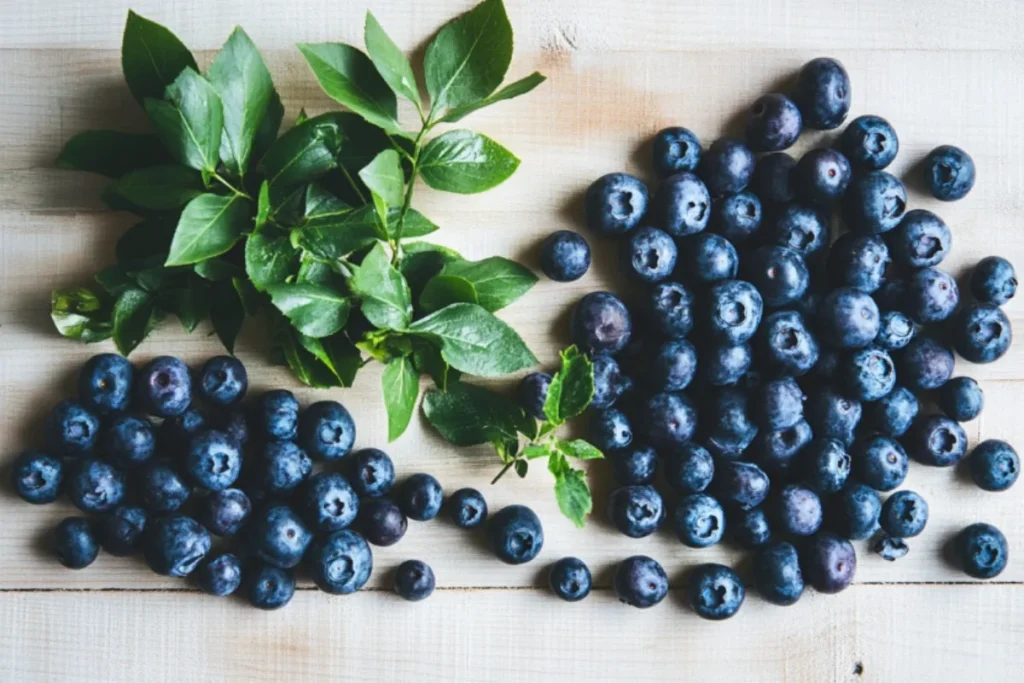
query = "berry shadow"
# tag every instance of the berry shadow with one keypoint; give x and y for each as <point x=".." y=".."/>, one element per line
<point x="735" y="125"/>
<point x="948" y="551"/>
<point x="913" y="178"/>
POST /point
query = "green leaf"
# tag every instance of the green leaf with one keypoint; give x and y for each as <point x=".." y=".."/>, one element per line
<point x="226" y="313"/>
<point x="401" y="386"/>
<point x="578" y="448"/>
<point x="240" y="77"/>
<point x="321" y="203"/>
<point x="314" y="310"/>
<point x="386" y="299"/>
<point x="422" y="261"/>
<point x="443" y="290"/>
<point x="81" y="313"/>
<point x="416" y="224"/>
<point x="468" y="58"/>
<point x="134" y="316"/>
<point x="571" y="491"/>
<point x="496" y="281"/>
<point x="190" y="122"/>
<point x="149" y="240"/>
<point x="522" y="468"/>
<point x="269" y="260"/>
<point x="216" y="270"/>
<point x="465" y="162"/>
<point x="427" y="360"/>
<point x="337" y="354"/>
<point x="111" y="153"/>
<point x="349" y="77"/>
<point x="160" y="188"/>
<point x="384" y="177"/>
<point x="190" y="303"/>
<point x="262" y="207"/>
<point x="467" y="415"/>
<point x="330" y="237"/>
<point x="302" y="117"/>
<point x="252" y="301"/>
<point x="475" y="341"/>
<point x="520" y="87"/>
<point x="209" y="226"/>
<point x="571" y="389"/>
<point x="151" y="57"/>
<point x="114" y="280"/>
<point x="538" y="450"/>
<point x="302" y="154"/>
<point x="392" y="64"/>
<point x="306" y="366"/>
<point x="266" y="134"/>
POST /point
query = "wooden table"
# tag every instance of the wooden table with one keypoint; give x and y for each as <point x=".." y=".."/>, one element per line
<point x="940" y="71"/>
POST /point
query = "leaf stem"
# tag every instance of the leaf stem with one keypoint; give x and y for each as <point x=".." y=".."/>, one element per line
<point x="504" y="469"/>
<point x="352" y="182"/>
<point x="219" y="178"/>
<point x="410" y="186"/>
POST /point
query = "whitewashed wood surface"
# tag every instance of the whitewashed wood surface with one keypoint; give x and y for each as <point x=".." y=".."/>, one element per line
<point x="942" y="71"/>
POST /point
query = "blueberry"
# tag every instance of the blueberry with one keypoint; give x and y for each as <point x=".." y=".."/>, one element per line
<point x="105" y="383"/>
<point x="129" y="441"/>
<point x="699" y="521"/>
<point x="786" y="346"/>
<point x="994" y="465"/>
<point x="728" y="423"/>
<point x="682" y="205"/>
<point x="714" y="591"/>
<point x="565" y="256"/>
<point x="649" y="254"/>
<point x="708" y="258"/>
<point x="932" y="296"/>
<point x="870" y="143"/>
<point x="414" y="580"/>
<point x="671" y="420"/>
<point x="829" y="562"/>
<point x="961" y="399"/>
<point x="278" y="536"/>
<point x="636" y="511"/>
<point x="949" y="173"/>
<point x="724" y="364"/>
<point x="381" y="521"/>
<point x="234" y="422"/>
<point x="615" y="204"/>
<point x="420" y="497"/>
<point x="174" y="433"/>
<point x="37" y="477"/>
<point x="925" y="364"/>
<point x="601" y="324"/>
<point x="328" y="502"/>
<point x="938" y="441"/>
<point x="777" y="450"/>
<point x="777" y="574"/>
<point x="982" y="333"/>
<point x="673" y="366"/>
<point x="175" y="545"/>
<point x="800" y="227"/>
<point x="774" y="123"/>
<point x="726" y="166"/>
<point x="326" y="431"/>
<point x="734" y="310"/>
<point x="269" y="587"/>
<point x="689" y="468"/>
<point x="74" y="543"/>
<point x="982" y="550"/>
<point x="569" y="579"/>
<point x="880" y="462"/>
<point x="610" y="430"/>
<point x="833" y="415"/>
<point x="889" y="548"/>
<point x="214" y="460"/>
<point x="220" y="575"/>
<point x="904" y="514"/>
<point x="95" y="486"/>
<point x="71" y="429"/>
<point x="515" y="534"/>
<point x="371" y="473"/>
<point x="120" y="531"/>
<point x="163" y="387"/>
<point x="224" y="512"/>
<point x="874" y="203"/>
<point x="640" y="581"/>
<point x="993" y="280"/>
<point x="798" y="510"/>
<point x="341" y="562"/>
<point x="893" y="414"/>
<point x="736" y="217"/>
<point x="750" y="528"/>
<point x="821" y="177"/>
<point x="892" y="294"/>
<point x="848" y="318"/>
<point x="779" y="274"/>
<point x="161" y="490"/>
<point x="278" y="414"/>
<point x="742" y="484"/>
<point x="609" y="382"/>
<point x="634" y="466"/>
<point x="895" y="330"/>
<point x="869" y="373"/>
<point x="772" y="181"/>
<point x="858" y="261"/>
<point x="781" y="404"/>
<point x="921" y="240"/>
<point x="670" y="308"/>
<point x="828" y="465"/>
<point x="676" y="150"/>
<point x="467" y="508"/>
<point x="823" y="93"/>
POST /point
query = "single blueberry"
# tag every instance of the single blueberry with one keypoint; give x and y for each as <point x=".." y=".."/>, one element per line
<point x="982" y="333"/>
<point x="821" y="176"/>
<point x="610" y="430"/>
<point x="829" y="563"/>
<point x="609" y="382"/>
<point x="742" y="484"/>
<point x="776" y="451"/>
<point x="277" y="414"/>
<point x="129" y="440"/>
<point x="269" y="587"/>
<point x="670" y="308"/>
<point x="37" y="477"/>
<point x="565" y="256"/>
<point x="833" y="415"/>
<point x="728" y="423"/>
<point x="175" y="545"/>
<point x="371" y="473"/>
<point x="467" y="508"/>
<point x="689" y="468"/>
<point x="161" y="489"/>
<point x="949" y="173"/>
<point x="682" y="205"/>
<point x="670" y="420"/>
<point x="600" y="324"/>
<point x="174" y="433"/>
<point x="982" y="550"/>
<point x="779" y="273"/>
<point x="414" y="580"/>
<point x="649" y="254"/>
<point x="105" y="383"/>
<point x="381" y="521"/>
<point x="994" y="465"/>
<point x="772" y="181"/>
<point x="932" y="296"/>
<point x="938" y="441"/>
<point x="726" y="166"/>
<point x="724" y="364"/>
<point x="961" y="398"/>
<point x="993" y="280"/>
<point x="895" y="330"/>
<point x="95" y="486"/>
<point x="277" y="535"/>
<point x="673" y="366"/>
<point x="870" y="143"/>
<point x="420" y="497"/>
<point x="785" y="344"/>
<point x="533" y="392"/>
<point x="699" y="520"/>
<point x="634" y="466"/>
<point x="71" y="430"/>
<point x="163" y="387"/>
<point x="615" y="204"/>
<point x="874" y="203"/>
<point x="636" y="511"/>
<point x="774" y="123"/>
<point x="569" y="579"/>
<point x="904" y="514"/>
<point x="893" y="414"/>
<point x="341" y="562"/>
<point x="889" y="548"/>
<point x="780" y="404"/>
<point x="823" y="93"/>
<point x="707" y="258"/>
<point x="225" y="512"/>
<point x="734" y="310"/>
<point x="925" y="364"/>
<point x="777" y="574"/>
<point x="223" y="380"/>
<point x="328" y="502"/>
<point x="848" y="318"/>
<point x="736" y="217"/>
<point x="798" y="510"/>
<point x="858" y="261"/>
<point x="640" y="581"/>
<point x="921" y="240"/>
<point x="750" y="528"/>
<point x="234" y="422"/>
<point x="214" y="460"/>
<point x="280" y="468"/>
<point x="515" y="534"/>
<point x="714" y="591"/>
<point x="326" y="430"/>
<point x="220" y="575"/>
<point x="880" y="462"/>
<point x="74" y="543"/>
<point x="676" y="150"/>
<point x="120" y="531"/>
<point x="828" y="465"/>
<point x="868" y="373"/>
<point x="800" y="227"/>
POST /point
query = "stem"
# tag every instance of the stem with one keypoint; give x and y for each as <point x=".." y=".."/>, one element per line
<point x="353" y="183"/>
<point x="407" y="202"/>
<point x="504" y="469"/>
<point x="216" y="176"/>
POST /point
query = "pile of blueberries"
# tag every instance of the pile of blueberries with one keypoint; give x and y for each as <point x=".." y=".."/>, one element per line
<point x="779" y="380"/>
<point x="162" y="460"/>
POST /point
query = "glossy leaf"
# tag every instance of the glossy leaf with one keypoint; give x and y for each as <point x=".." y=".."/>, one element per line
<point x="384" y="177"/>
<point x="161" y="188"/>
<point x="474" y="341"/>
<point x="209" y="226"/>
<point x="384" y="294"/>
<point x="571" y="490"/>
<point x="314" y="310"/>
<point x="401" y="385"/>
<point x="349" y="77"/>
<point x="465" y="162"/>
<point x="268" y="259"/>
<point x="443" y="290"/>
<point x="304" y="153"/>
<point x="571" y="388"/>
<point x="330" y="237"/>
<point x="468" y="415"/>
<point x="578" y="448"/>
<point x="151" y="57"/>
<point x="520" y="87"/>
<point x="190" y="121"/>
<point x="81" y="313"/>
<point x="262" y="207"/>
<point x="217" y="270"/>
<point x="226" y="313"/>
<point x="269" y="127"/>
<point x="146" y="241"/>
<point x="190" y="303"/>
<point x="496" y="281"/>
<point x="134" y="316"/>
<point x="392" y="64"/>
<point x="112" y="153"/>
